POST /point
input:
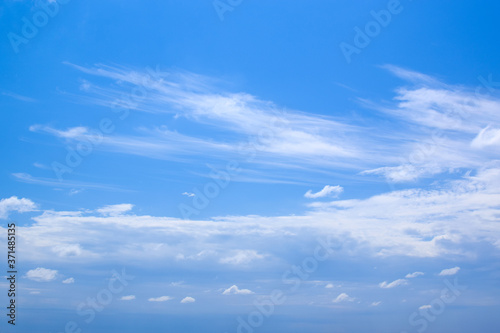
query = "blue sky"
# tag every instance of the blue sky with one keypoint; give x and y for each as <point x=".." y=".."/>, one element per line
<point x="252" y="166"/>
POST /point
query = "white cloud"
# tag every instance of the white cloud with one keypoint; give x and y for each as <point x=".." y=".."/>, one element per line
<point x="332" y="191"/>
<point x="376" y="303"/>
<point x="68" y="250"/>
<point x="242" y="257"/>
<point x="128" y="298"/>
<point x="189" y="194"/>
<point x="160" y="299"/>
<point x="41" y="274"/>
<point x="343" y="297"/>
<point x="413" y="275"/>
<point x="329" y="286"/>
<point x="393" y="284"/>
<point x="486" y="137"/>
<point x="115" y="210"/>
<point x="69" y="280"/>
<point x="188" y="300"/>
<point x="14" y="204"/>
<point x="236" y="291"/>
<point x="424" y="307"/>
<point x="449" y="271"/>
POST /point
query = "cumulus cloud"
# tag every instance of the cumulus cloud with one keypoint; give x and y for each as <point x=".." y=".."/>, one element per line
<point x="413" y="275"/>
<point x="236" y="291"/>
<point x="393" y="284"/>
<point x="424" y="307"/>
<point x="449" y="271"/>
<point x="343" y="297"/>
<point x="188" y="300"/>
<point x="41" y="274"/>
<point x="329" y="286"/>
<point x="188" y="194"/>
<point x="327" y="191"/>
<point x="376" y="303"/>
<point x="160" y="299"/>
<point x="115" y="210"/>
<point x="128" y="298"/>
<point x="14" y="204"/>
<point x="69" y="280"/>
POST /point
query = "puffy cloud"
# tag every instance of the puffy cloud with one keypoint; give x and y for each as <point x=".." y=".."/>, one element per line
<point x="128" y="298"/>
<point x="424" y="307"/>
<point x="413" y="275"/>
<point x="376" y="303"/>
<point x="41" y="274"/>
<point x="188" y="194"/>
<point x="329" y="286"/>
<point x="449" y="271"/>
<point x="393" y="284"/>
<point x="14" y="204"/>
<point x="160" y="299"/>
<point x="343" y="297"/>
<point x="236" y="291"/>
<point x="188" y="300"/>
<point x="327" y="191"/>
<point x="69" y="280"/>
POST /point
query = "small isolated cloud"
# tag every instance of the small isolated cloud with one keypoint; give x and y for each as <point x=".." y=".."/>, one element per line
<point x="397" y="283"/>
<point x="376" y="303"/>
<point x="128" y="298"/>
<point x="14" y="204"/>
<point x="449" y="271"/>
<point x="329" y="286"/>
<point x="242" y="257"/>
<point x="327" y="191"/>
<point x="188" y="300"/>
<point x="177" y="283"/>
<point x="41" y="274"/>
<point x="234" y="290"/>
<point x="343" y="298"/>
<point x="188" y="194"/>
<point x="423" y="307"/>
<point x="115" y="210"/>
<point x="69" y="280"/>
<point x="413" y="275"/>
<point x="160" y="299"/>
